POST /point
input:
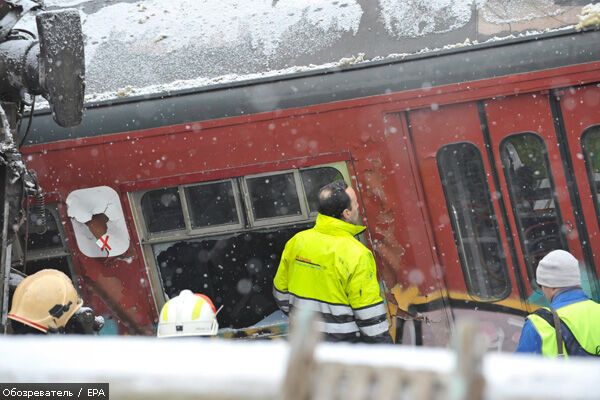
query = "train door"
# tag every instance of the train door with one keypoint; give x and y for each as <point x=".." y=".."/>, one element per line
<point x="471" y="238"/>
<point x="505" y="182"/>
<point x="579" y="112"/>
<point x="540" y="161"/>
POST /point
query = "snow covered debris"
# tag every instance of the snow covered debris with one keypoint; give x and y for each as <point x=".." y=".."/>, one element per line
<point x="10" y="156"/>
<point x="590" y="17"/>
<point x="360" y="57"/>
<point x="124" y="92"/>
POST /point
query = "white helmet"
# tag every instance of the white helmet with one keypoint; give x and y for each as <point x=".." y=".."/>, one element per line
<point x="188" y="314"/>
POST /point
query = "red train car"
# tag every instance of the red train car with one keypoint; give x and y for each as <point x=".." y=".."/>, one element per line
<point x="470" y="164"/>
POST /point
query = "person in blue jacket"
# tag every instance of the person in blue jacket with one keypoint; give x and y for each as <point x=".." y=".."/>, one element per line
<point x="559" y="278"/>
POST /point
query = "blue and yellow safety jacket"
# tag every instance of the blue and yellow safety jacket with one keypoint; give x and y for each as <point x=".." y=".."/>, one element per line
<point x="580" y="327"/>
<point x="325" y="269"/>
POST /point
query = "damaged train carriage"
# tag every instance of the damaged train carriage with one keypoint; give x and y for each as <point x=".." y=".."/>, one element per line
<point x="470" y="165"/>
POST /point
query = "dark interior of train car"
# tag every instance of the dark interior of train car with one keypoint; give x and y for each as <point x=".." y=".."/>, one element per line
<point x="236" y="271"/>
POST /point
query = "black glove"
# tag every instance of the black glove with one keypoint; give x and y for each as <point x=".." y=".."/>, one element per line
<point x="84" y="322"/>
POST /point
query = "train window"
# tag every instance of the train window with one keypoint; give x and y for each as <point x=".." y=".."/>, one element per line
<point x="235" y="270"/>
<point x="43" y="232"/>
<point x="527" y="171"/>
<point x="162" y="210"/>
<point x="314" y="179"/>
<point x="473" y="221"/>
<point x="591" y="151"/>
<point x="275" y="196"/>
<point x="44" y="248"/>
<point x="212" y="204"/>
<point x="230" y="237"/>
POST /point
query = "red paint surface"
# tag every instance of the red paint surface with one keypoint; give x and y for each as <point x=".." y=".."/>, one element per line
<point x="394" y="175"/>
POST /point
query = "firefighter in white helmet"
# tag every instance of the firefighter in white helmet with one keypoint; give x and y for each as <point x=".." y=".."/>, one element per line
<point x="47" y="302"/>
<point x="189" y="314"/>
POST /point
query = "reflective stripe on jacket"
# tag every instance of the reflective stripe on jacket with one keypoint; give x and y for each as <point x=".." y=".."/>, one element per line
<point x="327" y="270"/>
<point x="580" y="329"/>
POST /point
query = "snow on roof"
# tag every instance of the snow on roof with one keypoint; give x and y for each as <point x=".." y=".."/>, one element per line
<point x="435" y="16"/>
<point x="152" y="45"/>
<point x="507" y="11"/>
<point x="63" y="3"/>
<point x="205" y="82"/>
<point x="173" y="26"/>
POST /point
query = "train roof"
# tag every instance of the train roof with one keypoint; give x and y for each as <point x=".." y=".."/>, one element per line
<point x="138" y="44"/>
<point x="342" y="82"/>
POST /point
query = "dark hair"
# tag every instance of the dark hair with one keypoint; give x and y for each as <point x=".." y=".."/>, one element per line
<point x="333" y="199"/>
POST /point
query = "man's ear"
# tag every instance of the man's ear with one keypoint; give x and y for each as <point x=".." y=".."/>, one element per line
<point x="346" y="214"/>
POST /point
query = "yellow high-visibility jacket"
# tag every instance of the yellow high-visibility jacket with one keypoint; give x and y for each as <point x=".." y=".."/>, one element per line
<point x="326" y="269"/>
<point x="580" y="328"/>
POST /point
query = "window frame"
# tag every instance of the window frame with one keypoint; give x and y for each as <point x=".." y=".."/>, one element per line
<point x="530" y="269"/>
<point x="590" y="168"/>
<point x="47" y="253"/>
<point x="147" y="240"/>
<point x="221" y="228"/>
<point x="51" y="252"/>
<point x="457" y="233"/>
<point x="313" y="214"/>
<point x="157" y="235"/>
<point x="303" y="202"/>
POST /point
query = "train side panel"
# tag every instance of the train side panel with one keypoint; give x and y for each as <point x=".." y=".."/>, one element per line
<point x="464" y="187"/>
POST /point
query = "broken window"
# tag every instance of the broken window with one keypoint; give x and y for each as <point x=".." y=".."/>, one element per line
<point x="229" y="236"/>
<point x="98" y="221"/>
<point x="236" y="271"/>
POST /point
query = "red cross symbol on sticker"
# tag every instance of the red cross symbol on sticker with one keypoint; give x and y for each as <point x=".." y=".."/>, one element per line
<point x="103" y="243"/>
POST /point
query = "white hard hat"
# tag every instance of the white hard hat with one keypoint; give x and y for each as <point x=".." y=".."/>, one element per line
<point x="188" y="314"/>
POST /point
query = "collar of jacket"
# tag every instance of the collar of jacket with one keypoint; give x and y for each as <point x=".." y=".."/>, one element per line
<point x="567" y="296"/>
<point x="337" y="227"/>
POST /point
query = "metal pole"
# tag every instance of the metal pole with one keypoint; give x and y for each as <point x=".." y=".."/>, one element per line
<point x="4" y="268"/>
<point x="6" y="288"/>
<point x="7" y="141"/>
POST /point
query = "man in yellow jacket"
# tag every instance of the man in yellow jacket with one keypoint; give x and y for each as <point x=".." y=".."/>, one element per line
<point x="327" y="270"/>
